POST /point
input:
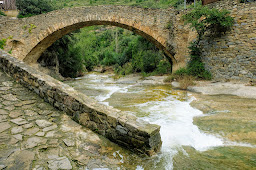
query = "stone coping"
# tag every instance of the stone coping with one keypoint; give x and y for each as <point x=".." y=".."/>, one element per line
<point x="120" y="127"/>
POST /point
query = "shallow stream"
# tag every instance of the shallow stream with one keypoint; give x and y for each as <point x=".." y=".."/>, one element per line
<point x="157" y="104"/>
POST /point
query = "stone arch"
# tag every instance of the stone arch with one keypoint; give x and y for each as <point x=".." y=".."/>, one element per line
<point x="36" y="51"/>
<point x="37" y="33"/>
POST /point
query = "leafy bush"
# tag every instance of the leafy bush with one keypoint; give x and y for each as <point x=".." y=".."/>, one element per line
<point x="205" y="20"/>
<point x="181" y="72"/>
<point x="29" y="8"/>
<point x="2" y="43"/>
<point x="68" y="56"/>
<point x="213" y="21"/>
<point x="1" y="13"/>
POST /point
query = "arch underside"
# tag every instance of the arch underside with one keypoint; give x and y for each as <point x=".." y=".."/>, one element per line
<point x="37" y="51"/>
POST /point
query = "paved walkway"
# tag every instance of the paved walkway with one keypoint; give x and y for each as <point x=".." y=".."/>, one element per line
<point x="34" y="135"/>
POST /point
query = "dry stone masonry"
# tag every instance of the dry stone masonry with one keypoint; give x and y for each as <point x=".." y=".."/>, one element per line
<point x="233" y="56"/>
<point x="117" y="126"/>
<point x="230" y="57"/>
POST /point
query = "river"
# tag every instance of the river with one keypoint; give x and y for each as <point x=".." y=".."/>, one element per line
<point x="157" y="104"/>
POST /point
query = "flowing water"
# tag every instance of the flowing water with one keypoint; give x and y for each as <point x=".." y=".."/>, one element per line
<point x="157" y="104"/>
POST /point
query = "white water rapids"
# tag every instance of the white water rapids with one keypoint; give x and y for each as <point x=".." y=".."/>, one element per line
<point x="174" y="116"/>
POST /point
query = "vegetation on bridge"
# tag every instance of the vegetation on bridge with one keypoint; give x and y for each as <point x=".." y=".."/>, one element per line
<point x="205" y="21"/>
<point x="128" y="53"/>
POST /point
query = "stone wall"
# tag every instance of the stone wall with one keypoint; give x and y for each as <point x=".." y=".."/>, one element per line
<point x="118" y="126"/>
<point x="233" y="56"/>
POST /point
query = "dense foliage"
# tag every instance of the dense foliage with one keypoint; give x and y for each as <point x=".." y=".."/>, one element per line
<point x="107" y="46"/>
<point x="141" y="3"/>
<point x="63" y="53"/>
<point x="2" y="43"/>
<point x="212" y="21"/>
<point x="1" y="13"/>
<point x="33" y="7"/>
<point x="205" y="21"/>
<point x="115" y="46"/>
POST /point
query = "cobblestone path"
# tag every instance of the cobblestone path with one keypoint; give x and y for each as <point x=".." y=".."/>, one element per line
<point x="34" y="135"/>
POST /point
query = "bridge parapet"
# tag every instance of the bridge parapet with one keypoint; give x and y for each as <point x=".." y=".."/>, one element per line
<point x="118" y="126"/>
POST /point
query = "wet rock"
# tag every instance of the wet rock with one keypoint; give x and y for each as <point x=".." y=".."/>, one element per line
<point x="9" y="97"/>
<point x="16" y="130"/>
<point x="15" y="114"/>
<point x="19" y="121"/>
<point x="3" y="112"/>
<point x="4" y="126"/>
<point x="59" y="163"/>
<point x="50" y="128"/>
<point x="43" y="123"/>
<point x="69" y="142"/>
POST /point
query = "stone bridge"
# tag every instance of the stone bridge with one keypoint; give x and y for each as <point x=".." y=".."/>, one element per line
<point x="32" y="36"/>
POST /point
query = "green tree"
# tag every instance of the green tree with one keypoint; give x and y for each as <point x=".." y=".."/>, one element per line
<point x="67" y="55"/>
<point x="205" y="21"/>
<point x="29" y="8"/>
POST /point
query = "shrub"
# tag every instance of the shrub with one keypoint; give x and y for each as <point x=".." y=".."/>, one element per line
<point x="2" y="13"/>
<point x="186" y="81"/>
<point x="29" y="8"/>
<point x="205" y="20"/>
<point x="2" y="43"/>
<point x="169" y="79"/>
<point x="181" y="72"/>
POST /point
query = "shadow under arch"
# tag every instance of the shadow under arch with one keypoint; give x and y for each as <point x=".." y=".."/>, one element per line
<point x="37" y="51"/>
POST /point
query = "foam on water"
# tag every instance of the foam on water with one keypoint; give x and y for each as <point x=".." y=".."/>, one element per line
<point x="174" y="116"/>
